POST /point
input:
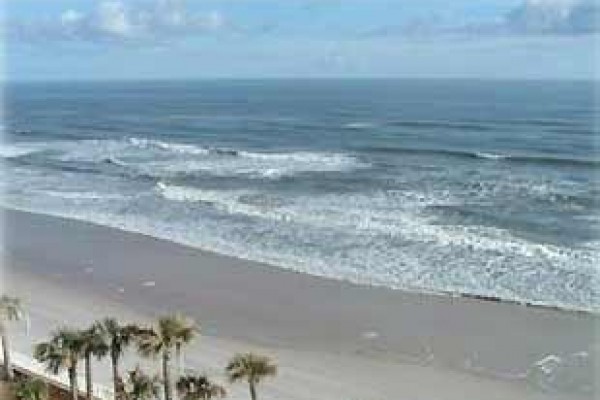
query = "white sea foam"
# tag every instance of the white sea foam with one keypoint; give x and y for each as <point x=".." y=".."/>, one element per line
<point x="17" y="150"/>
<point x="371" y="215"/>
<point x="70" y="195"/>
<point x="491" y="156"/>
<point x="167" y="159"/>
<point x="254" y="165"/>
<point x="383" y="237"/>
<point x="169" y="146"/>
<point x="359" y="125"/>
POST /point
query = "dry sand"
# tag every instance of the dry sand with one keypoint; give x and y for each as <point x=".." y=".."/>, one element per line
<point x="333" y="340"/>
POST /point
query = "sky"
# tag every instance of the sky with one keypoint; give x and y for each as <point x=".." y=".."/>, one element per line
<point x="197" y="39"/>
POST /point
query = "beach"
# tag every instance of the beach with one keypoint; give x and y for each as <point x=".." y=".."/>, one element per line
<point x="332" y="339"/>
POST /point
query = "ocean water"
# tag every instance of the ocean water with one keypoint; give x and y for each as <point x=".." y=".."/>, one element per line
<point x="485" y="188"/>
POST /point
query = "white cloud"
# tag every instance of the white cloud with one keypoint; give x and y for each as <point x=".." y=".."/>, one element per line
<point x="529" y="17"/>
<point x="111" y="18"/>
<point x="120" y="21"/>
<point x="554" y="17"/>
<point x="70" y="17"/>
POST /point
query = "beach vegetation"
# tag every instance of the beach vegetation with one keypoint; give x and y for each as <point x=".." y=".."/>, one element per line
<point x="118" y="337"/>
<point x="199" y="387"/>
<point x="93" y="344"/>
<point x="62" y="351"/>
<point x="185" y="331"/>
<point x="11" y="309"/>
<point x="30" y="388"/>
<point x="66" y="347"/>
<point x="161" y="340"/>
<point x="252" y="368"/>
<point x="140" y="386"/>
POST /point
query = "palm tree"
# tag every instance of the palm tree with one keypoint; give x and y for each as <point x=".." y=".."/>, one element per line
<point x="117" y="337"/>
<point x="10" y="310"/>
<point x="93" y="345"/>
<point x="31" y="389"/>
<point x="140" y="386"/>
<point x="199" y="387"/>
<point x="62" y="351"/>
<point x="251" y="368"/>
<point x="161" y="341"/>
<point x="185" y="330"/>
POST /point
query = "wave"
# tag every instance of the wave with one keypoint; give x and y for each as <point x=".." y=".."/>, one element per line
<point x="488" y="125"/>
<point x="82" y="195"/>
<point x="359" y="125"/>
<point x="169" y="146"/>
<point x="437" y="258"/>
<point x="491" y="156"/>
<point x="530" y="159"/>
<point x="294" y="156"/>
<point x="462" y="125"/>
<point x="183" y="193"/>
<point x="159" y="159"/>
<point x="218" y="161"/>
<point x="16" y="150"/>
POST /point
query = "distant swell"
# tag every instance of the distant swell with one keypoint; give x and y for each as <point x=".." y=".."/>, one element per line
<point x="530" y="159"/>
<point x="463" y="126"/>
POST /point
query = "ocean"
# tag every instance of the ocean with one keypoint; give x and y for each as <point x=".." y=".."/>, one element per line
<point x="475" y="187"/>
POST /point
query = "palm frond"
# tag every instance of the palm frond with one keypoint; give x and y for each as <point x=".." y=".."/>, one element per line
<point x="250" y="367"/>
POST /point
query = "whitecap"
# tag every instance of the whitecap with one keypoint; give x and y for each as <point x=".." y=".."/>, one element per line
<point x="16" y="150"/>
<point x="181" y="148"/>
<point x="73" y="195"/>
<point x="491" y="156"/>
<point x="359" y="125"/>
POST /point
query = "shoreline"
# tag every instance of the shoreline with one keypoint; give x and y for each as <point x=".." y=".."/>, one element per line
<point x="423" y="291"/>
<point x="296" y="315"/>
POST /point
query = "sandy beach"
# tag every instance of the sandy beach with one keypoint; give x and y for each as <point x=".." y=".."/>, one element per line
<point x="332" y="340"/>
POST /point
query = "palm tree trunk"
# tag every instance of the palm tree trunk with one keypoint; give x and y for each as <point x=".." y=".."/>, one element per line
<point x="115" y="371"/>
<point x="73" y="383"/>
<point x="179" y="360"/>
<point x="89" y="390"/>
<point x="8" y="372"/>
<point x="167" y="375"/>
<point x="252" y="391"/>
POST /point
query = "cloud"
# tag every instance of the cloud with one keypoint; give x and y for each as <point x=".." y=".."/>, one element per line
<point x="529" y="17"/>
<point x="112" y="19"/>
<point x="563" y="17"/>
<point x="118" y="22"/>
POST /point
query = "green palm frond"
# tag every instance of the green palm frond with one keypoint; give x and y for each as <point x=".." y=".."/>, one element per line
<point x="250" y="367"/>
<point x="116" y="336"/>
<point x="170" y="331"/>
<point x="199" y="387"/>
<point x="94" y="342"/>
<point x="140" y="386"/>
<point x="62" y="351"/>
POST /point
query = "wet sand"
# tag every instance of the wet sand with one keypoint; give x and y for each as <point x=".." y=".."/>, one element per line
<point x="335" y="337"/>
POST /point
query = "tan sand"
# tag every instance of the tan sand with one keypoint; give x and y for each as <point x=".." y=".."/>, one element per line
<point x="333" y="340"/>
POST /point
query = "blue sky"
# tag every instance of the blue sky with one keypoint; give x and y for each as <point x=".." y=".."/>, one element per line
<point x="161" y="39"/>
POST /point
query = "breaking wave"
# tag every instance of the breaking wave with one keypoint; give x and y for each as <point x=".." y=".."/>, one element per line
<point x="530" y="159"/>
<point x="162" y="159"/>
<point x="16" y="150"/>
